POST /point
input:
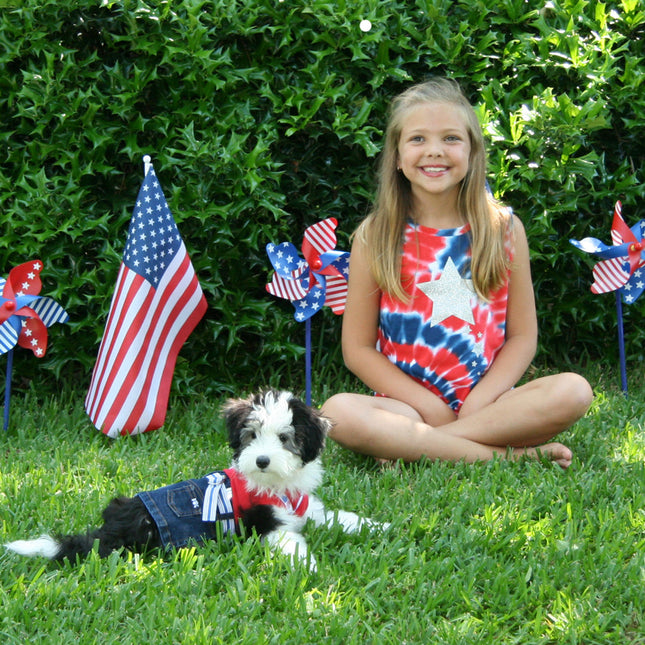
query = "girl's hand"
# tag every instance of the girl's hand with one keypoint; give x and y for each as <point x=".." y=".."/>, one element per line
<point x="473" y="403"/>
<point x="436" y="412"/>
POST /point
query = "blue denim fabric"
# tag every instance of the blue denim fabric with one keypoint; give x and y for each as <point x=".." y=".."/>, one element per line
<point x="177" y="512"/>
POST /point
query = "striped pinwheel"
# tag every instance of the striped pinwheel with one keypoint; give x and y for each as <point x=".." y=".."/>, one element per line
<point x="621" y="267"/>
<point x="24" y="317"/>
<point x="620" y="270"/>
<point x="320" y="279"/>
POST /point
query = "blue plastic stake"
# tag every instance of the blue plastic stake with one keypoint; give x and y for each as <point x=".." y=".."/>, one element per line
<point x="308" y="361"/>
<point x="621" y="341"/>
<point x="7" y="388"/>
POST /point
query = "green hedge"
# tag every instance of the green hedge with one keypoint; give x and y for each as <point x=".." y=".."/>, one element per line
<point x="264" y="116"/>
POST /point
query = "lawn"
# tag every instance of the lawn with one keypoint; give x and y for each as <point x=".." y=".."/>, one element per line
<point x="488" y="553"/>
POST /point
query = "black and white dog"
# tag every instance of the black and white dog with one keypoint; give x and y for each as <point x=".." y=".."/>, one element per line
<point x="277" y="441"/>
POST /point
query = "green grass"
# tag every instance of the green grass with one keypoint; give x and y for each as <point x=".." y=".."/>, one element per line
<point x="488" y="553"/>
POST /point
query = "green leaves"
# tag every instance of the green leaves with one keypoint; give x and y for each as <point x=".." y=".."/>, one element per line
<point x="263" y="117"/>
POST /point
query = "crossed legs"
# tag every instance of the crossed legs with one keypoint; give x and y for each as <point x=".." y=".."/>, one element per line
<point x="520" y="422"/>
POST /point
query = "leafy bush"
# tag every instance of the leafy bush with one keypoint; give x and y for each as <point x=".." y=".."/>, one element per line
<point x="264" y="116"/>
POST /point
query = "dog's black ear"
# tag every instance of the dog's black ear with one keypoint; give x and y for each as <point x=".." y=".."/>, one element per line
<point x="311" y="429"/>
<point x="236" y="413"/>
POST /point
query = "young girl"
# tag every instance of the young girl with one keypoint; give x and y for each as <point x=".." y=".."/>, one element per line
<point x="440" y="317"/>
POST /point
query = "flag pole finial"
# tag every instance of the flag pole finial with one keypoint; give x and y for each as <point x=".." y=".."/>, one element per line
<point x="147" y="164"/>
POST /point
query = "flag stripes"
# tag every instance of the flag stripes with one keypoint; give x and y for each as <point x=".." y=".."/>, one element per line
<point x="50" y="311"/>
<point x="8" y="337"/>
<point x="290" y="288"/>
<point x="336" y="293"/>
<point x="609" y="275"/>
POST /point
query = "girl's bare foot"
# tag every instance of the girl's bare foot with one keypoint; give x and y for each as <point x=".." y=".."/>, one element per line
<point x="555" y="452"/>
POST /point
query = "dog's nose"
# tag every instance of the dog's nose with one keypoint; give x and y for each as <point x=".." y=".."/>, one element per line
<point x="262" y="462"/>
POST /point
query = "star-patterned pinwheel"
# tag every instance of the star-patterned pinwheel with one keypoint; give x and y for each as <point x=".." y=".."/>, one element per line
<point x="622" y="263"/>
<point x="24" y="317"/>
<point x="320" y="279"/>
<point x="621" y="269"/>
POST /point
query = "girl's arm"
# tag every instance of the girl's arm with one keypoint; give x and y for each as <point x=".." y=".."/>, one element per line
<point x="359" y="336"/>
<point x="521" y="332"/>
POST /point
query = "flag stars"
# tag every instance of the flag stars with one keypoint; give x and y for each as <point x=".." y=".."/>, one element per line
<point x="151" y="249"/>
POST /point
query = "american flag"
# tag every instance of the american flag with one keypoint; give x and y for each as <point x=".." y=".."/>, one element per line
<point x="157" y="303"/>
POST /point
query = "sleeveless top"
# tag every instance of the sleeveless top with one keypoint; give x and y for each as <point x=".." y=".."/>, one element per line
<point x="444" y="337"/>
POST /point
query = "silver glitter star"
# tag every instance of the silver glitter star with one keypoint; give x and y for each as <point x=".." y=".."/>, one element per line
<point x="451" y="295"/>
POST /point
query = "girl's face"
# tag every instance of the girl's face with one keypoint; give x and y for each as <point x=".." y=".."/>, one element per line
<point x="433" y="151"/>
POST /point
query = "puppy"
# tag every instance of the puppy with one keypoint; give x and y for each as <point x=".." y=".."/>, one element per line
<point x="277" y="441"/>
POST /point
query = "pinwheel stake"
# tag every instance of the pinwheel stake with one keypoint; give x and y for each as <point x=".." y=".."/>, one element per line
<point x="621" y="270"/>
<point x="24" y="318"/>
<point x="320" y="279"/>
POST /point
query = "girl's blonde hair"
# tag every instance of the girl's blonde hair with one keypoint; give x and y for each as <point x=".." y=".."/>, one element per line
<point x="383" y="229"/>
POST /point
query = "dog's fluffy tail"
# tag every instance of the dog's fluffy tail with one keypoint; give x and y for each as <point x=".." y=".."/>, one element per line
<point x="46" y="546"/>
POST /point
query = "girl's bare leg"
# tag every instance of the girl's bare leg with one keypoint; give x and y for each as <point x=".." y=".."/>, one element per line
<point x="389" y="429"/>
<point x="528" y="415"/>
<point x="522" y="419"/>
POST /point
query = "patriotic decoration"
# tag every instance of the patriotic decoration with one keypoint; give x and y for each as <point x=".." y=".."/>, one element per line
<point x="157" y="303"/>
<point x="621" y="269"/>
<point x="622" y="263"/>
<point x="25" y="317"/>
<point x="318" y="280"/>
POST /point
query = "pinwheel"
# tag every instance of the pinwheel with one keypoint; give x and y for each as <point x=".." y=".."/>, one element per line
<point x="620" y="270"/>
<point x="318" y="280"/>
<point x="24" y="317"/>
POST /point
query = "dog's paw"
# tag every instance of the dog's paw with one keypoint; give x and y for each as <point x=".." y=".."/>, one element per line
<point x="377" y="526"/>
<point x="353" y="523"/>
<point x="294" y="546"/>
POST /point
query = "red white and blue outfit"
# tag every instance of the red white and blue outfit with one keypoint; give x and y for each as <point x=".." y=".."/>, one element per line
<point x="196" y="509"/>
<point x="444" y="337"/>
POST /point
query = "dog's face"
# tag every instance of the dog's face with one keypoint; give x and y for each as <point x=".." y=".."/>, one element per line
<point x="276" y="440"/>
